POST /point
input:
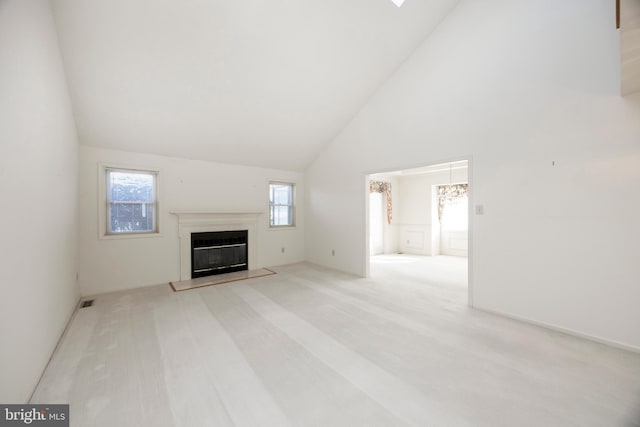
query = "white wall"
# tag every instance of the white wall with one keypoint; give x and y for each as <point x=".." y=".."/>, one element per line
<point x="184" y="185"/>
<point x="517" y="85"/>
<point x="38" y="176"/>
<point x="418" y="220"/>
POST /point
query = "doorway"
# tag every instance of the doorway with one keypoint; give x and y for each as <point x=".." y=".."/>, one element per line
<point x="427" y="223"/>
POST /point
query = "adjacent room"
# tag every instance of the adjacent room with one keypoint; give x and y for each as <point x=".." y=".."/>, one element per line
<point x="419" y="223"/>
<point x="362" y="213"/>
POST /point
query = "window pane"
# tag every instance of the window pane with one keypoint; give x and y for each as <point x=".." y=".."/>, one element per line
<point x="281" y="204"/>
<point x="130" y="186"/>
<point x="281" y="194"/>
<point x="281" y="215"/>
<point x="131" y="201"/>
<point x="455" y="216"/>
<point x="131" y="217"/>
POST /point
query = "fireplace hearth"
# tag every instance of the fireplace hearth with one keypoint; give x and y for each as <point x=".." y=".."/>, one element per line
<point x="218" y="252"/>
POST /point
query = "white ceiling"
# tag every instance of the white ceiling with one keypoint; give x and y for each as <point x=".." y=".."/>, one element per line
<point x="263" y="83"/>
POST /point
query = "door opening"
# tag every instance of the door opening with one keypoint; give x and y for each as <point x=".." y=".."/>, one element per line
<point x="429" y="232"/>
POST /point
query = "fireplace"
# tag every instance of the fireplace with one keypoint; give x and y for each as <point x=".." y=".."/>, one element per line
<point x="218" y="252"/>
<point x="190" y="223"/>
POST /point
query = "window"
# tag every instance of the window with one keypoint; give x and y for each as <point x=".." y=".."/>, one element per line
<point x="131" y="201"/>
<point x="281" y="204"/>
<point x="453" y="206"/>
<point x="456" y="214"/>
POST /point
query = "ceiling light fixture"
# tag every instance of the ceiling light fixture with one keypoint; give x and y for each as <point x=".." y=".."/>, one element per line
<point x="398" y="2"/>
<point x="448" y="192"/>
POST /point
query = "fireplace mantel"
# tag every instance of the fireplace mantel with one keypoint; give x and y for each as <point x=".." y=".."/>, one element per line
<point x="198" y="222"/>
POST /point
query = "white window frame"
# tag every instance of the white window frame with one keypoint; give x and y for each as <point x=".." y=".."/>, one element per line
<point x="104" y="202"/>
<point x="293" y="204"/>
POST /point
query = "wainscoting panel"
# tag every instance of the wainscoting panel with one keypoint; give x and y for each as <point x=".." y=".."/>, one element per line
<point x="454" y="243"/>
<point x="415" y="239"/>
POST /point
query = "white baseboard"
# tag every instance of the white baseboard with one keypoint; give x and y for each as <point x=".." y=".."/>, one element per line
<point x="560" y="329"/>
<point x="64" y="332"/>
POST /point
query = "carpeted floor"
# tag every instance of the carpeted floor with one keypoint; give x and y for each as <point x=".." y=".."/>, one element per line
<point x="315" y="347"/>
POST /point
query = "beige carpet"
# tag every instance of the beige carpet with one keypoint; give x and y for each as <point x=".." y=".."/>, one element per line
<point x="200" y="282"/>
<point x="311" y="346"/>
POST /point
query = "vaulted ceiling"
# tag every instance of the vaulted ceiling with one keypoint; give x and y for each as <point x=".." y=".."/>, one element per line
<point x="263" y="83"/>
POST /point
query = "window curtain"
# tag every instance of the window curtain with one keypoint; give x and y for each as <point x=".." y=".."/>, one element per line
<point x="383" y="187"/>
<point x="450" y="193"/>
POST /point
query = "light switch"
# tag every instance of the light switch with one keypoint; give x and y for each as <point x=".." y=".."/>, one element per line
<point x="479" y="209"/>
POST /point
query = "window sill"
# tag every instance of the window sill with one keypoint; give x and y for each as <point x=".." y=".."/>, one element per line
<point x="281" y="227"/>
<point x="129" y="236"/>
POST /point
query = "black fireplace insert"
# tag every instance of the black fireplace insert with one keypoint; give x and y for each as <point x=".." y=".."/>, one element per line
<point x="218" y="252"/>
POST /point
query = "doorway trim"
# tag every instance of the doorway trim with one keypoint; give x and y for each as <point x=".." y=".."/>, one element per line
<point x="471" y="191"/>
